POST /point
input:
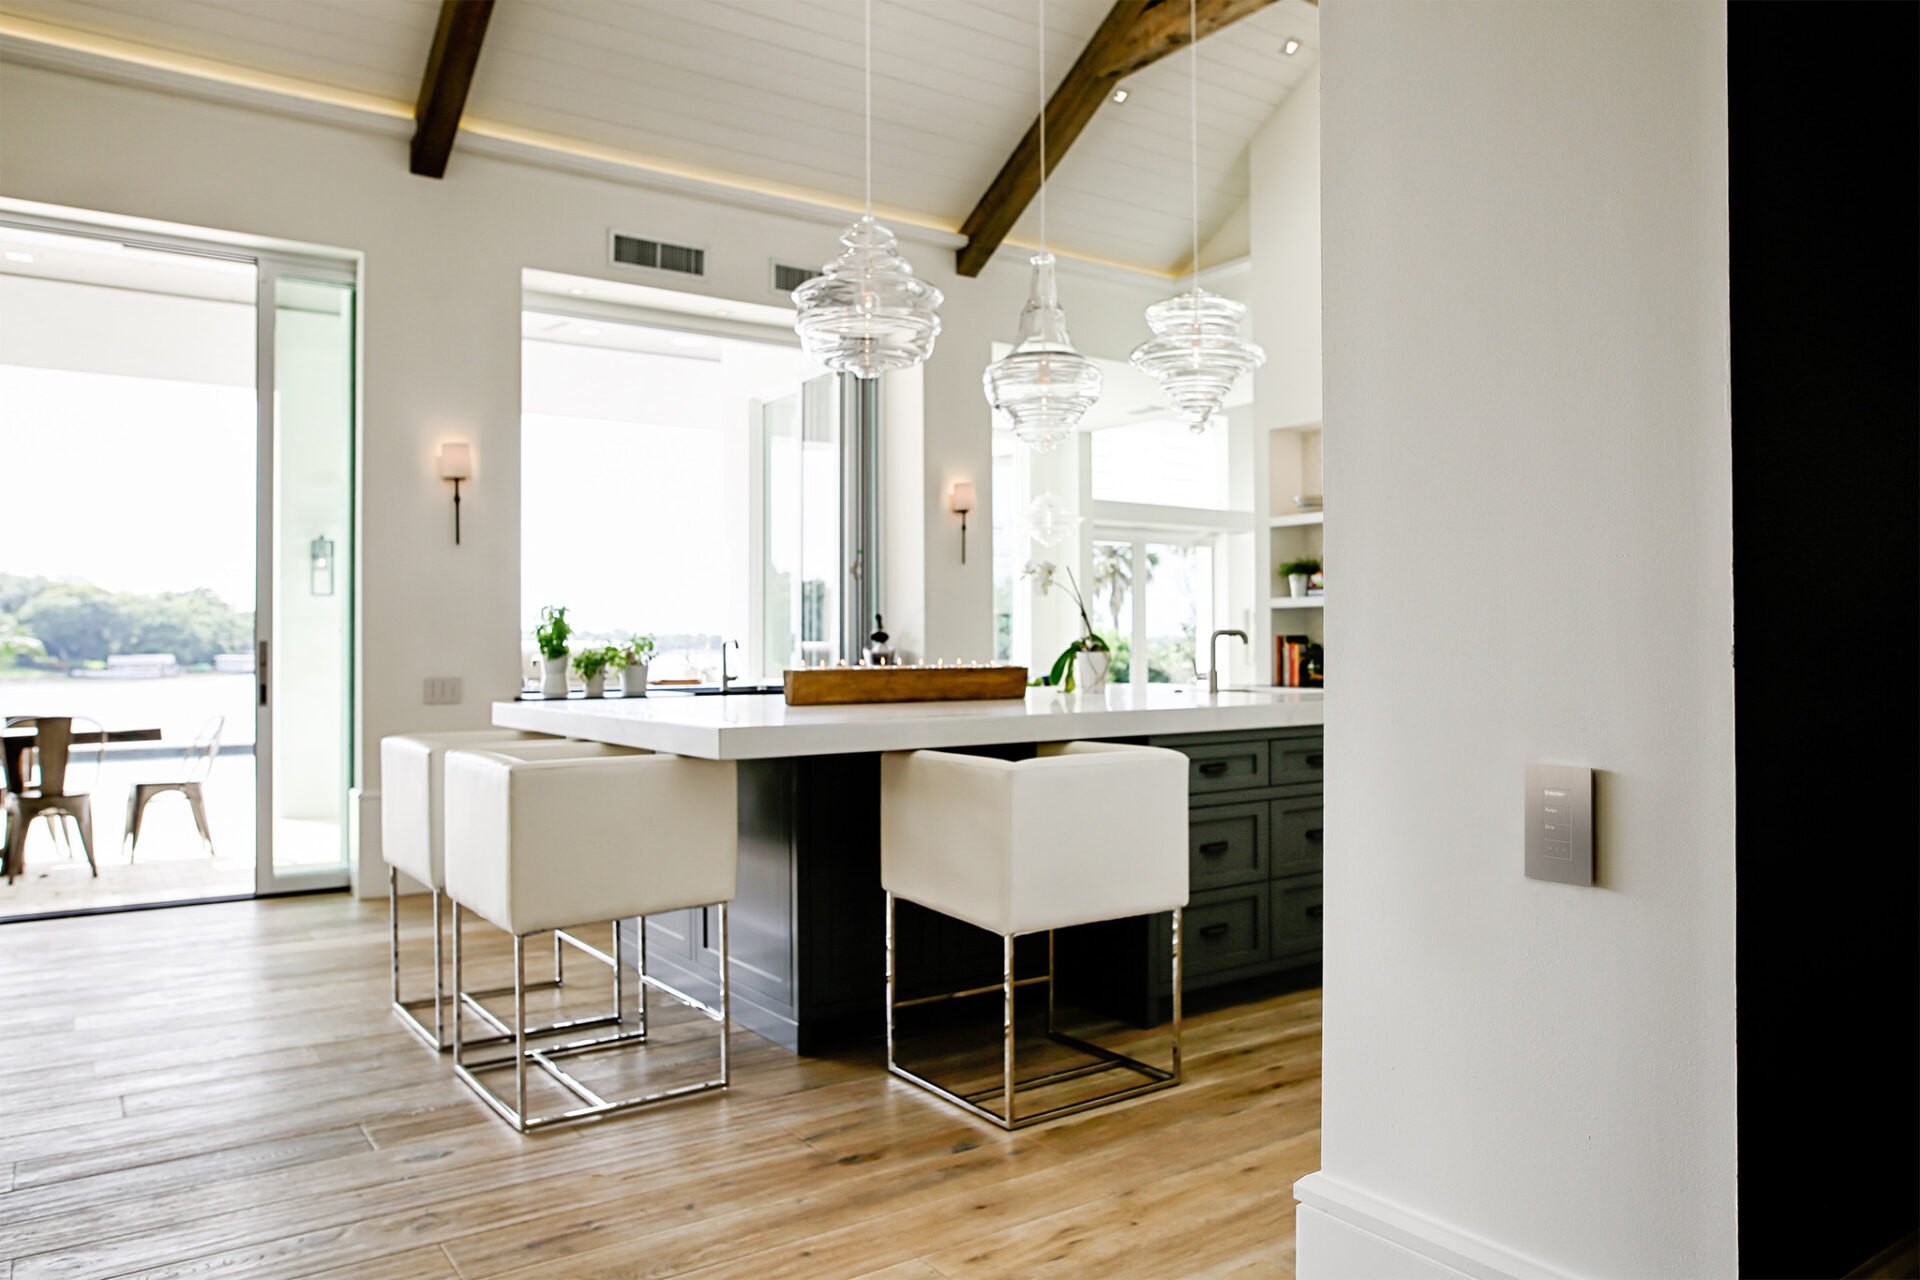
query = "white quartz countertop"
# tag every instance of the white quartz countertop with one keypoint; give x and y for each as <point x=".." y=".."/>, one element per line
<point x="762" y="726"/>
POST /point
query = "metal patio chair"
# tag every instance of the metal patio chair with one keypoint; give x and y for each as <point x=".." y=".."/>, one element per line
<point x="196" y="764"/>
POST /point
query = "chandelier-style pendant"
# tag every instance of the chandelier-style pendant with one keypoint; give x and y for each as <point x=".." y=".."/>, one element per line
<point x="1047" y="522"/>
<point x="1043" y="385"/>
<point x="1197" y="353"/>
<point x="868" y="314"/>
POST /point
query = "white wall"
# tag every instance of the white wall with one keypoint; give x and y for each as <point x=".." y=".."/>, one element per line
<point x="442" y="334"/>
<point x="1283" y="163"/>
<point x="1527" y="422"/>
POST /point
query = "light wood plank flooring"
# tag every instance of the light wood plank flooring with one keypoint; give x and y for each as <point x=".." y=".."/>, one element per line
<point x="220" y="1090"/>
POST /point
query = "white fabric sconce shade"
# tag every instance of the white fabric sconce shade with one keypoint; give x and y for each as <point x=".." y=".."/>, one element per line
<point x="456" y="461"/>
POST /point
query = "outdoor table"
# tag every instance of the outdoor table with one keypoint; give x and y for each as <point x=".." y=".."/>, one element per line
<point x="19" y="738"/>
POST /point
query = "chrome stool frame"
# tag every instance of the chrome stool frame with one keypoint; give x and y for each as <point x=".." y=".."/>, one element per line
<point x="1010" y="1118"/>
<point x="514" y="1112"/>
<point x="410" y="1010"/>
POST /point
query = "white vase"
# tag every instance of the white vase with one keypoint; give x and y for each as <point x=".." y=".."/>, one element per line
<point x="1297" y="585"/>
<point x="553" y="676"/>
<point x="633" y="681"/>
<point x="596" y="684"/>
<point x="1090" y="670"/>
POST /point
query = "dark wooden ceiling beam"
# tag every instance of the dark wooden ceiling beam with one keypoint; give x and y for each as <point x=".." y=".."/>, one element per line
<point x="443" y="90"/>
<point x="1134" y="34"/>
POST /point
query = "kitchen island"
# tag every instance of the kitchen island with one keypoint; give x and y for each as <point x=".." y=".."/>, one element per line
<point x="807" y="943"/>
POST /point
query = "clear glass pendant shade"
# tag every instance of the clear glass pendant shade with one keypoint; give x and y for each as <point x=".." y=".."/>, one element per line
<point x="1048" y="522"/>
<point x="868" y="314"/>
<point x="1043" y="386"/>
<point x="1197" y="353"/>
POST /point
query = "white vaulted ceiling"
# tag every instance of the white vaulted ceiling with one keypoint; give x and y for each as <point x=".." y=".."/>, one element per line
<point x="766" y="95"/>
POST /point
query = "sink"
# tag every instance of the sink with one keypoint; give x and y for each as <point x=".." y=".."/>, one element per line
<point x="712" y="691"/>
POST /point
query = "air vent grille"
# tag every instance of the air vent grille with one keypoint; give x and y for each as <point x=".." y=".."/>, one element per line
<point x="637" y="251"/>
<point x="788" y="278"/>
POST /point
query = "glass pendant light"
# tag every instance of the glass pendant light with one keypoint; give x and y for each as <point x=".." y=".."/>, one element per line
<point x="1196" y="353"/>
<point x="867" y="313"/>
<point x="1043" y="386"/>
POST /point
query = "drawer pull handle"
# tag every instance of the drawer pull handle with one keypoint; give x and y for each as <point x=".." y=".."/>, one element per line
<point x="1314" y="911"/>
<point x="1313" y="836"/>
<point x="1213" y="931"/>
<point x="1214" y="848"/>
<point x="1212" y="768"/>
<point x="1316" y="761"/>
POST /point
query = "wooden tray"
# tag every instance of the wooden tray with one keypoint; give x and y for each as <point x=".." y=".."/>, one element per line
<point x="826" y="686"/>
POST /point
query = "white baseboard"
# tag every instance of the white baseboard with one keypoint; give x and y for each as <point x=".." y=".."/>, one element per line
<point x="1344" y="1233"/>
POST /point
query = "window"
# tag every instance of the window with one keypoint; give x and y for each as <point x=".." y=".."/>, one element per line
<point x="1162" y="463"/>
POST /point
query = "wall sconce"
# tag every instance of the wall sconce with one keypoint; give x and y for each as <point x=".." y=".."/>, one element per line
<point x="320" y="574"/>
<point x="456" y="464"/>
<point x="960" y="502"/>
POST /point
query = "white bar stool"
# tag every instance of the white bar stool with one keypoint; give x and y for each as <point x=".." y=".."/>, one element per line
<point x="539" y="844"/>
<point x="412" y="771"/>
<point x="413" y="842"/>
<point x="1083" y="832"/>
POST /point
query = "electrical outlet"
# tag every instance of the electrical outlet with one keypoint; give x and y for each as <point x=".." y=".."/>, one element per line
<point x="443" y="691"/>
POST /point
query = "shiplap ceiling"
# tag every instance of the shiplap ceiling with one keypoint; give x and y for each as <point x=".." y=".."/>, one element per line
<point x="767" y="93"/>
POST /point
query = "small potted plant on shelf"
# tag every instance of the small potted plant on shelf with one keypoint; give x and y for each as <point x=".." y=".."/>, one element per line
<point x="1297" y="573"/>
<point x="1084" y="665"/>
<point x="633" y="666"/>
<point x="592" y="665"/>
<point x="552" y="635"/>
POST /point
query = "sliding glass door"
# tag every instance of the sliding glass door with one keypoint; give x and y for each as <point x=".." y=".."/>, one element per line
<point x="304" y="639"/>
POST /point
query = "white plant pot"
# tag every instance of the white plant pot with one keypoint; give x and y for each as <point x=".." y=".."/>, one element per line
<point x="1297" y="585"/>
<point x="596" y="684"/>
<point x="633" y="681"/>
<point x="1090" y="670"/>
<point x="553" y="676"/>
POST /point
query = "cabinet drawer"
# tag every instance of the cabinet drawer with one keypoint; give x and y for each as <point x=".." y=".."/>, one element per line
<point x="1225" y="766"/>
<point x="1296" y="760"/>
<point x="1222" y="929"/>
<point x="1296" y="916"/>
<point x="1297" y="835"/>
<point x="1229" y="846"/>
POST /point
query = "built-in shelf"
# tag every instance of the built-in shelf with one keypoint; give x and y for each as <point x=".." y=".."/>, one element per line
<point x="1299" y="602"/>
<point x="1297" y="519"/>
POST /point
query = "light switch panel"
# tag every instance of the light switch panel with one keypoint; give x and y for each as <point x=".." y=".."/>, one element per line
<point x="443" y="691"/>
<point x="1560" y="823"/>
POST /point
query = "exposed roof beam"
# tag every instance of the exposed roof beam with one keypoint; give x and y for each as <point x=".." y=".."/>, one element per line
<point x="443" y="90"/>
<point x="1133" y="35"/>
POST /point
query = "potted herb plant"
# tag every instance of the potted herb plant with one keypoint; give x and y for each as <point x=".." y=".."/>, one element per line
<point x="1297" y="572"/>
<point x="552" y="635"/>
<point x="1084" y="665"/>
<point x="592" y="665"/>
<point x="634" y="655"/>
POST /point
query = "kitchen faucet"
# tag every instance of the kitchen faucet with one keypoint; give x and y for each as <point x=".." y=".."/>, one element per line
<point x="725" y="679"/>
<point x="1213" y="657"/>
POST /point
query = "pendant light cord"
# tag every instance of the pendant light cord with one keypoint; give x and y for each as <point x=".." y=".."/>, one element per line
<point x="1193" y="130"/>
<point x="1043" y="125"/>
<point x="867" y="24"/>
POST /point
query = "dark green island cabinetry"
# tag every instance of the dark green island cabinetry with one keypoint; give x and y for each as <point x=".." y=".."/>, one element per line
<point x="806" y="926"/>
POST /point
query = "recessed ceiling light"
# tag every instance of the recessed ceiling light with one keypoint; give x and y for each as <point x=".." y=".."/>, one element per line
<point x="14" y="255"/>
<point x="1291" y="47"/>
<point x="578" y="293"/>
<point x="589" y="332"/>
<point x="724" y="311"/>
<point x="688" y="340"/>
<point x="1119" y="95"/>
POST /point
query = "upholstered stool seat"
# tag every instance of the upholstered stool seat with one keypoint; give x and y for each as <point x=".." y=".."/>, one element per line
<point x="537" y="841"/>
<point x="1082" y="832"/>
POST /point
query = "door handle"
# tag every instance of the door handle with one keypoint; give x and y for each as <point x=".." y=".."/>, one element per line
<point x="1316" y="761"/>
<point x="1214" y="931"/>
<point x="260" y="672"/>
<point x="1214" y="848"/>
<point x="1314" y="911"/>
<point x="1212" y="768"/>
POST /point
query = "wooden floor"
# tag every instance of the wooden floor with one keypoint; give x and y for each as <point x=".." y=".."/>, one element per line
<point x="220" y="1090"/>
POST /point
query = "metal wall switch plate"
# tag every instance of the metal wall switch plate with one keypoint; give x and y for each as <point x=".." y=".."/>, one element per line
<point x="443" y="691"/>
<point x="1560" y="823"/>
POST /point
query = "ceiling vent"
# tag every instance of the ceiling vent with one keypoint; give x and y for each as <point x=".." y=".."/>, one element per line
<point x="788" y="278"/>
<point x="636" y="251"/>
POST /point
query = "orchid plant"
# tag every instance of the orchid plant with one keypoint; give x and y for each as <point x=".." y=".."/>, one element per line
<point x="1043" y="574"/>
